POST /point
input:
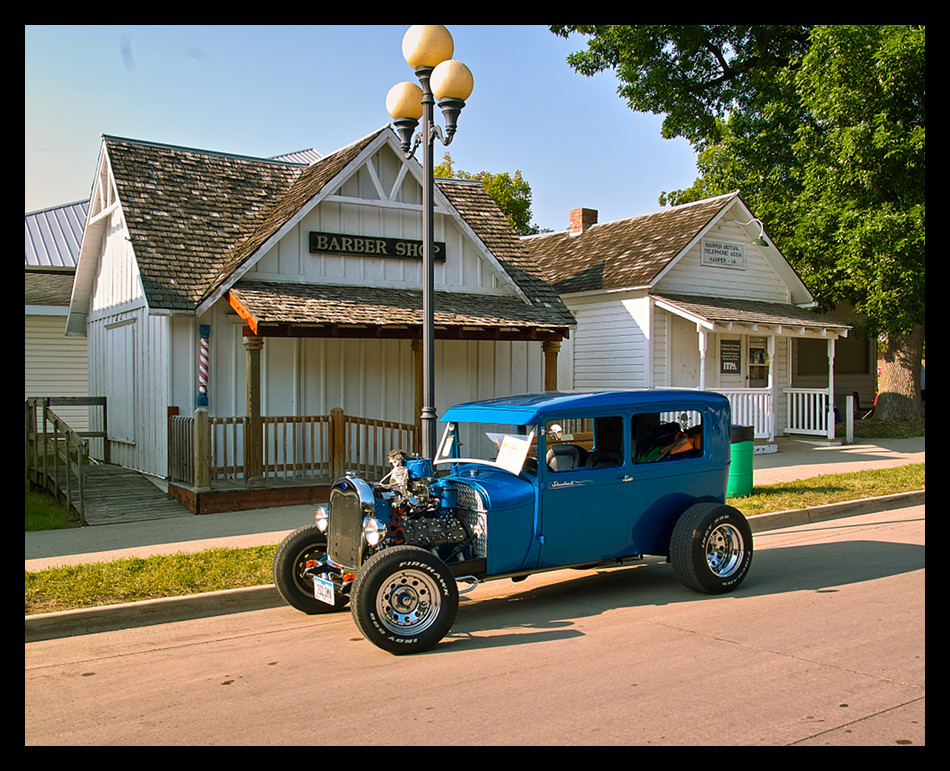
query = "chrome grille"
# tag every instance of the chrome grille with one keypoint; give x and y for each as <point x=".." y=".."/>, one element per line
<point x="350" y="500"/>
<point x="471" y="510"/>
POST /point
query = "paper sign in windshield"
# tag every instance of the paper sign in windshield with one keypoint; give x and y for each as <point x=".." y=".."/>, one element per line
<point x="512" y="451"/>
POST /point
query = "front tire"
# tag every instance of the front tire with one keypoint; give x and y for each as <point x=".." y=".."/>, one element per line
<point x="711" y="548"/>
<point x="404" y="600"/>
<point x="306" y="543"/>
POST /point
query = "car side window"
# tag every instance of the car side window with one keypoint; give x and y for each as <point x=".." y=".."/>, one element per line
<point x="587" y="443"/>
<point x="667" y="436"/>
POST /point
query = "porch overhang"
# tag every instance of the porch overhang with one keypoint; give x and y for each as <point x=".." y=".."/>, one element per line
<point x="737" y="316"/>
<point x="336" y="311"/>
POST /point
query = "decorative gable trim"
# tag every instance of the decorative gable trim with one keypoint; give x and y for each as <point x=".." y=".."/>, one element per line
<point x="310" y="189"/>
<point x="103" y="203"/>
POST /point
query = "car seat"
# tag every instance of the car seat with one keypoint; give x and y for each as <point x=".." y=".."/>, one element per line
<point x="563" y="457"/>
<point x="603" y="459"/>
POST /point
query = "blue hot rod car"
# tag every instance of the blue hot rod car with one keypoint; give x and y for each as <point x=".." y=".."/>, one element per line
<point x="519" y="485"/>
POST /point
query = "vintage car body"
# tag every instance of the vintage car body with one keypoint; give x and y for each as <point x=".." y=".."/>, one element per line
<point x="523" y="484"/>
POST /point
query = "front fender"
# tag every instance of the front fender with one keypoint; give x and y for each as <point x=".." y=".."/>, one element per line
<point x="510" y="507"/>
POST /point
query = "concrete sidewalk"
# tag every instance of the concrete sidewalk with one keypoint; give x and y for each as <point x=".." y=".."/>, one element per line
<point x="803" y="458"/>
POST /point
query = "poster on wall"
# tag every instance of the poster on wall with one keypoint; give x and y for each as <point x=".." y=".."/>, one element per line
<point x="730" y="357"/>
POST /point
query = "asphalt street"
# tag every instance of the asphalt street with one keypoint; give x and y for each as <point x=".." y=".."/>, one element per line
<point x="823" y="645"/>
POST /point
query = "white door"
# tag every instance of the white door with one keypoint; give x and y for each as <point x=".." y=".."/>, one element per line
<point x="684" y="353"/>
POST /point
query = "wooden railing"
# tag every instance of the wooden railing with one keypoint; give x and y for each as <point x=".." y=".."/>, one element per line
<point x="752" y="407"/>
<point x="203" y="450"/>
<point x="366" y="443"/>
<point x="56" y="453"/>
<point x="809" y="411"/>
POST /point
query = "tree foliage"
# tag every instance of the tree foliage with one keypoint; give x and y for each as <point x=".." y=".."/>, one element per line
<point x="861" y="167"/>
<point x="820" y="128"/>
<point x="511" y="193"/>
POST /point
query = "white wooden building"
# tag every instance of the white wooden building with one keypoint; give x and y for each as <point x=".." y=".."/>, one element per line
<point x="197" y="266"/>
<point x="53" y="364"/>
<point x="698" y="296"/>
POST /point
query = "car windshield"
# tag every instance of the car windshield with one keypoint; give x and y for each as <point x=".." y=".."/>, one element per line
<point x="512" y="448"/>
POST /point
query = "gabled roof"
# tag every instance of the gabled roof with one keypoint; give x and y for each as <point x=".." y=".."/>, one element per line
<point x="636" y="252"/>
<point x="623" y="253"/>
<point x="199" y="220"/>
<point x="188" y="211"/>
<point x="489" y="225"/>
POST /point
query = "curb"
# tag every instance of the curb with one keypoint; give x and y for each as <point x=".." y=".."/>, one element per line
<point x="68" y="623"/>
<point x="812" y="514"/>
<point x="107" y="618"/>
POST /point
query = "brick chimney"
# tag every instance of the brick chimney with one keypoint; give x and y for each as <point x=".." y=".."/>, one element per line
<point x="581" y="219"/>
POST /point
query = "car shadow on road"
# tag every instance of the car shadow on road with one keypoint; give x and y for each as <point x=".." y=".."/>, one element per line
<point x="550" y="610"/>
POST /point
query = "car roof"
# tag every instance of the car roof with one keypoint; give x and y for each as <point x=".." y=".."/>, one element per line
<point x="529" y="409"/>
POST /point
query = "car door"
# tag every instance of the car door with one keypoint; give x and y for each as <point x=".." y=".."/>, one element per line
<point x="584" y="491"/>
<point x="671" y="469"/>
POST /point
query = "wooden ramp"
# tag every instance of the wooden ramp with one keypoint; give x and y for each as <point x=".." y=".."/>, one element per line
<point x="113" y="494"/>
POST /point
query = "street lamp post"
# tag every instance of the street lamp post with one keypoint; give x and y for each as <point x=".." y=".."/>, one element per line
<point x="428" y="50"/>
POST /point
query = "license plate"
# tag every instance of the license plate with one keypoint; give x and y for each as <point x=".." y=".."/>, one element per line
<point x="323" y="591"/>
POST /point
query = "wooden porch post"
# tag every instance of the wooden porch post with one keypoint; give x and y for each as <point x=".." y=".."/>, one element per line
<point x="202" y="444"/>
<point x="770" y="343"/>
<point x="337" y="443"/>
<point x="253" y="446"/>
<point x="703" y="344"/>
<point x="831" y="388"/>
<point x="550" y="349"/>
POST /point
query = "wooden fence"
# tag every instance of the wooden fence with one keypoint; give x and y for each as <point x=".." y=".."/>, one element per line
<point x="810" y="411"/>
<point x="203" y="450"/>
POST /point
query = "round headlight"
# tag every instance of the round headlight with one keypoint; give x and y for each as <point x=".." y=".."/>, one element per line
<point x="373" y="530"/>
<point x="321" y="518"/>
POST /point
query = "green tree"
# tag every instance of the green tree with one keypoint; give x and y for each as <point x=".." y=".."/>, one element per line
<point x="861" y="158"/>
<point x="511" y="193"/>
<point x="821" y="128"/>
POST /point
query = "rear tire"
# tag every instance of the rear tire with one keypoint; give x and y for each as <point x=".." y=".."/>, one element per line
<point x="307" y="543"/>
<point x="711" y="548"/>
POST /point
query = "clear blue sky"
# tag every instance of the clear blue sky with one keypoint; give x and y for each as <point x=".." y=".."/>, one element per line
<point x="267" y="90"/>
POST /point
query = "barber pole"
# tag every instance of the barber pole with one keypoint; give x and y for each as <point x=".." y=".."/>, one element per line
<point x="205" y="331"/>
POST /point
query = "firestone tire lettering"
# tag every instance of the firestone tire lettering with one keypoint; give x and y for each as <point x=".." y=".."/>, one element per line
<point x="403" y="604"/>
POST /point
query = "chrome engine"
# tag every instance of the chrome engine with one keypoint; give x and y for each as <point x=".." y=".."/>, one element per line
<point x="408" y="506"/>
<point x="421" y="507"/>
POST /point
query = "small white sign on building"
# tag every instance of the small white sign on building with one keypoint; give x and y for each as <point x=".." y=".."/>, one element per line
<point x="722" y="254"/>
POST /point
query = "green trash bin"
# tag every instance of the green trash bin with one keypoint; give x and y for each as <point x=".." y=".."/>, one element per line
<point x="740" y="461"/>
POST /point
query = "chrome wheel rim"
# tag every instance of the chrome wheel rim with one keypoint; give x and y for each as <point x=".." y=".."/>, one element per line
<point x="408" y="602"/>
<point x="725" y="550"/>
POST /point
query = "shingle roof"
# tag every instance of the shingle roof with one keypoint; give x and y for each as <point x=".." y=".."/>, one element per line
<point x="47" y="287"/>
<point x="622" y="253"/>
<point x="305" y="186"/>
<point x="186" y="209"/>
<point x="724" y="310"/>
<point x="196" y="218"/>
<point x="269" y="303"/>
<point x="482" y="214"/>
